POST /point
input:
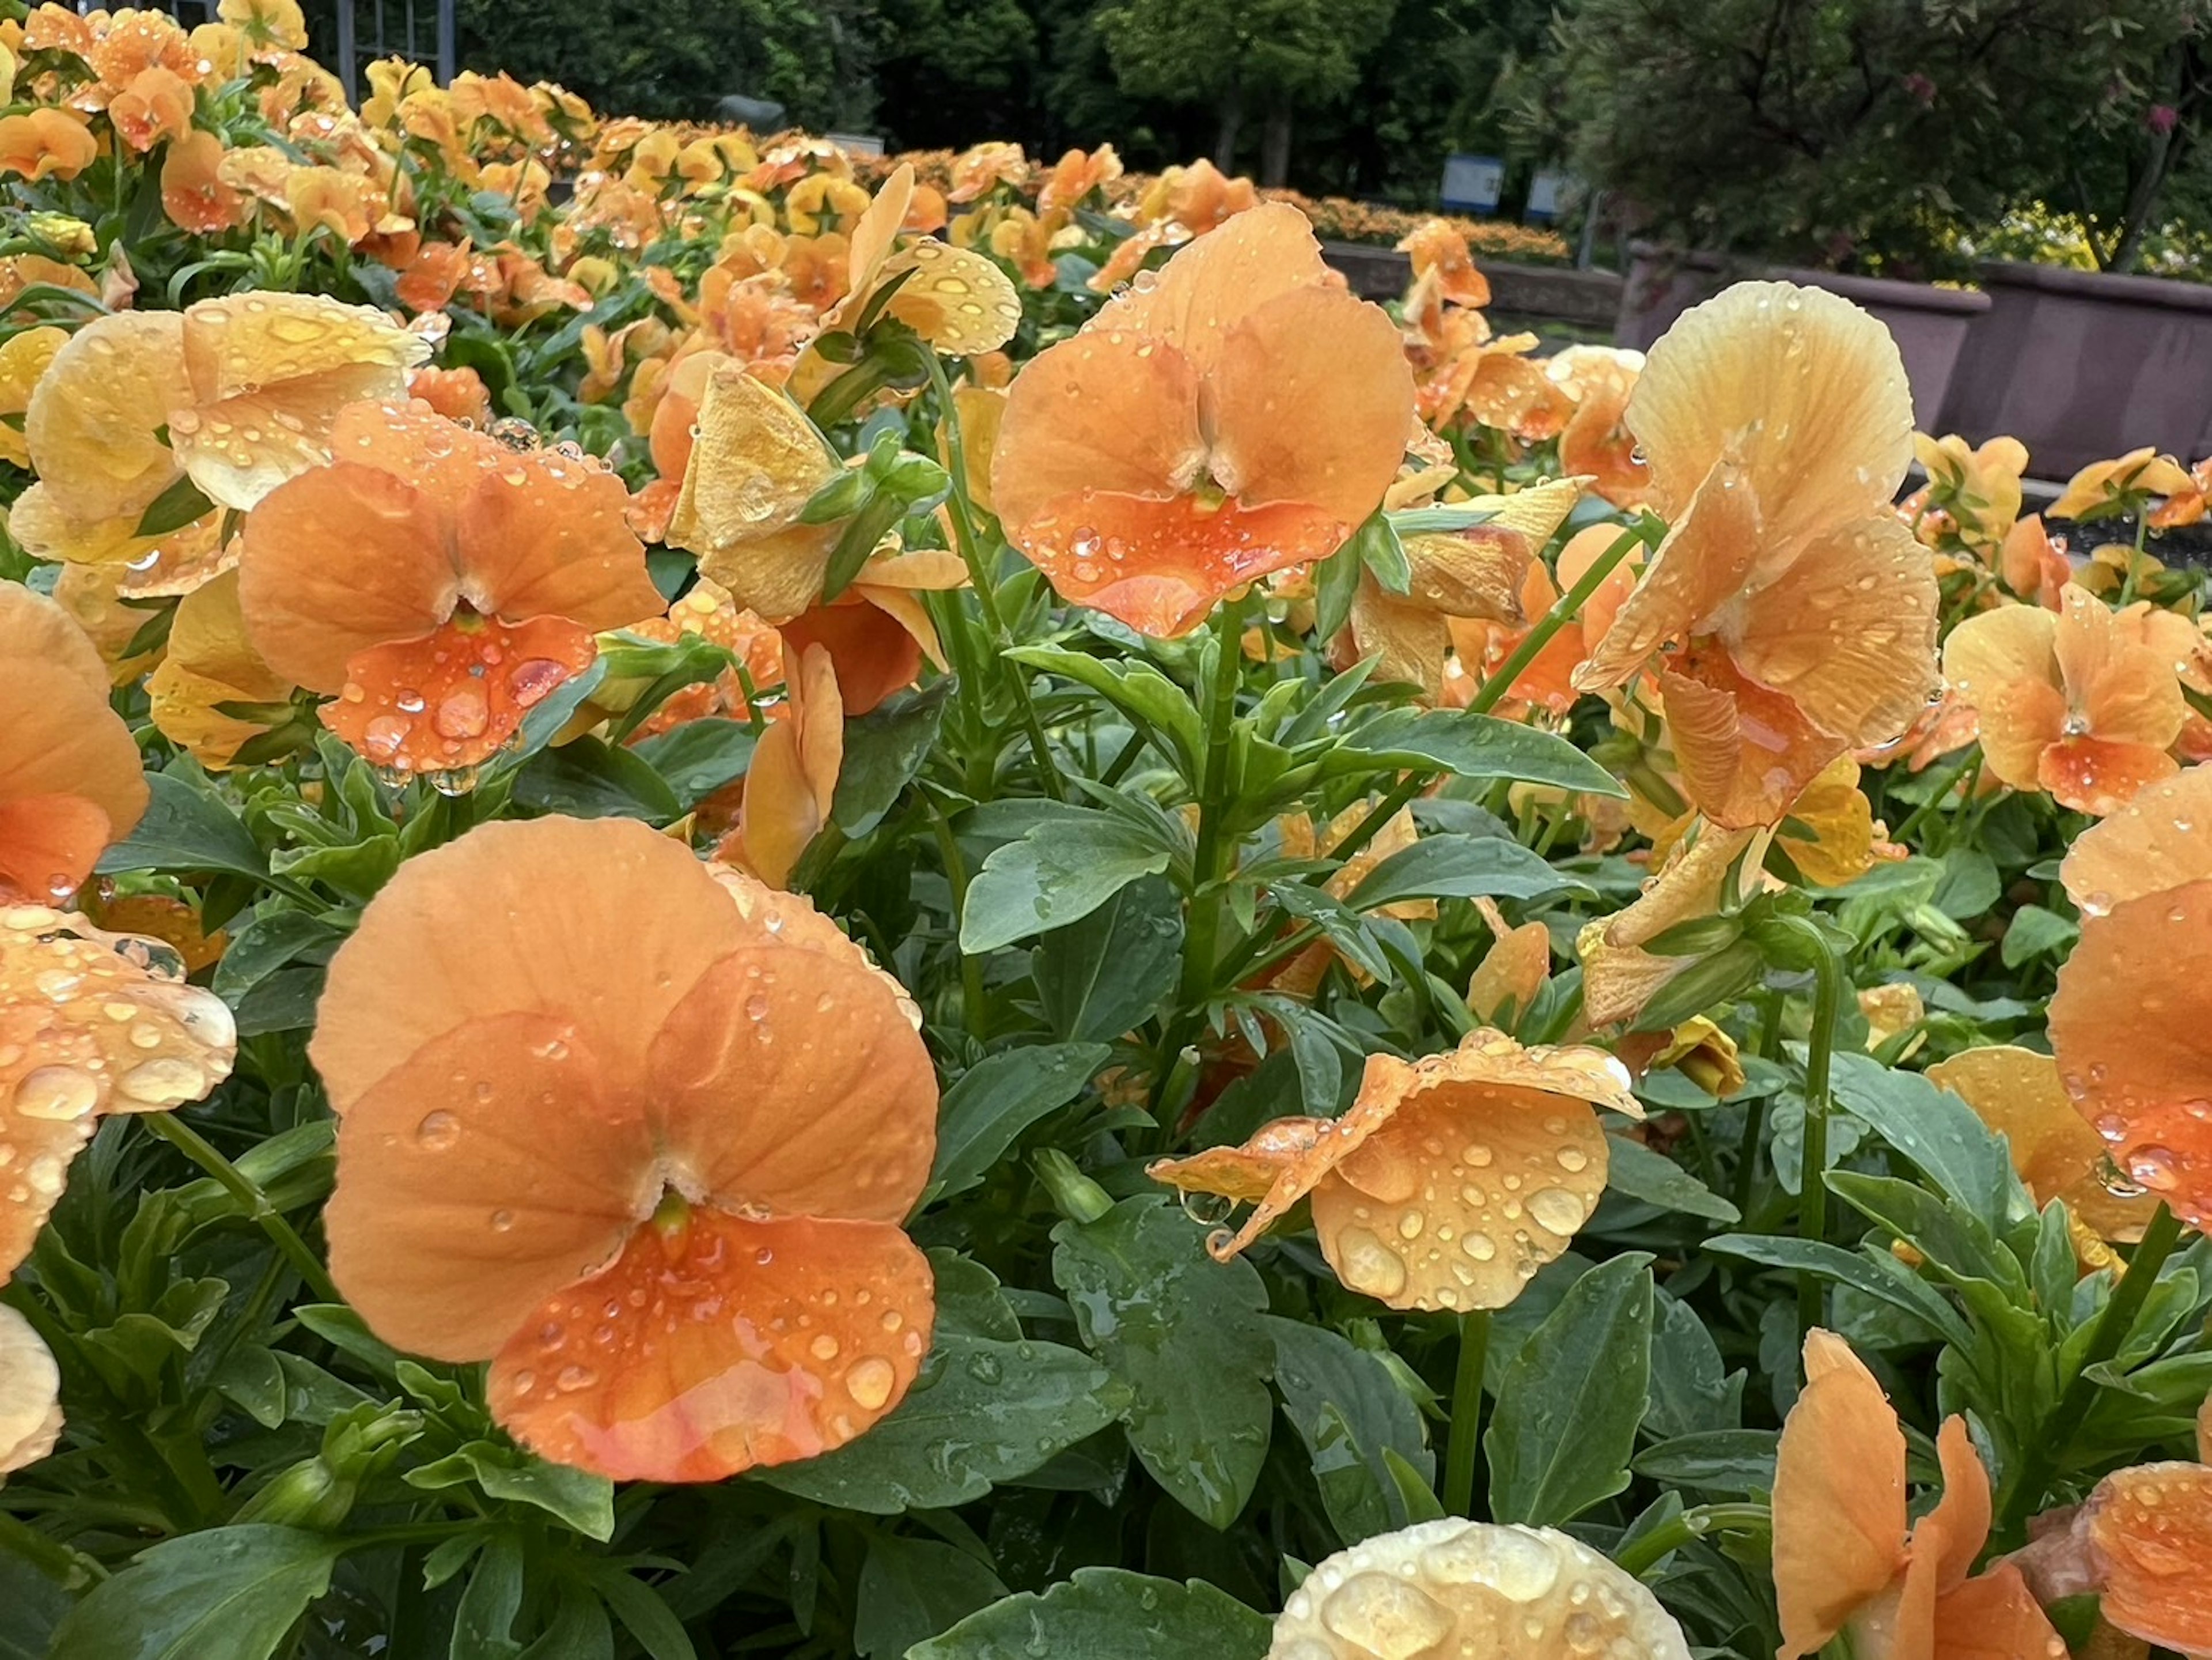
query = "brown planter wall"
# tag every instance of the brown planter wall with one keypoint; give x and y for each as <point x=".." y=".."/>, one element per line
<point x="2079" y="366"/>
<point x="1931" y="325"/>
<point x="1589" y="298"/>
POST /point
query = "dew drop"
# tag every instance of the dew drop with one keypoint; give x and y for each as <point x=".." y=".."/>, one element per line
<point x="869" y="1381"/>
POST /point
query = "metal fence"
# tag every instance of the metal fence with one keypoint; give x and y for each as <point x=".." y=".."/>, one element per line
<point x="344" y="34"/>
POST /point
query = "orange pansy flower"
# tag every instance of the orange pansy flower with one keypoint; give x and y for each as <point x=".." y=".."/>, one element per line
<point x="1789" y="617"/>
<point x="1843" y="1558"/>
<point x="193" y="191"/>
<point x="1443" y="266"/>
<point x="1976" y="489"/>
<point x="2068" y="701"/>
<point x="247" y="387"/>
<point x="46" y="141"/>
<point x="1548" y="684"/>
<point x="2106" y="485"/>
<point x="2032" y="563"/>
<point x="1513" y="971"/>
<point x="791" y="779"/>
<point x="70" y="782"/>
<point x="1520" y="1161"/>
<point x="1619" y="976"/>
<point x="1075" y="176"/>
<point x="90" y="1023"/>
<point x="1596" y="441"/>
<point x="441" y="582"/>
<point x="640" y="1136"/>
<point x="1242" y="415"/>
<point x="2128" y="1022"/>
<point x="210" y="663"/>
<point x="156" y="105"/>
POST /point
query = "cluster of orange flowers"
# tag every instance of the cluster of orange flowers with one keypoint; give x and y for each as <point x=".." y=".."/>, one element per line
<point x="657" y="1177"/>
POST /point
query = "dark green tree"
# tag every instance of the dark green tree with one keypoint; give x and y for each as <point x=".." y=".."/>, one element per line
<point x="1245" y="57"/>
<point x="1864" y="131"/>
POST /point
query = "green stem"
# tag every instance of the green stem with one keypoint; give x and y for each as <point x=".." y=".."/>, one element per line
<point x="1819" y="1048"/>
<point x="2134" y="560"/>
<point x="1639" y="1556"/>
<point x="973" y="1010"/>
<point x="979" y="578"/>
<point x="1965" y="765"/>
<point x="1465" y="1413"/>
<point x="70" y="1568"/>
<point x="256" y="1203"/>
<point x="1201" y="938"/>
<point x="2026" y="1486"/>
<point x="1568" y="605"/>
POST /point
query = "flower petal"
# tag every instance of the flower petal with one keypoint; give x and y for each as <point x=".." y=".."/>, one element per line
<point x="716" y="1345"/>
<point x="1994" y="1616"/>
<point x="1309" y="400"/>
<point x="30" y="1394"/>
<point x="2161" y="839"/>
<point x="490" y="1168"/>
<point x="548" y="537"/>
<point x="754" y="464"/>
<point x="1110" y="413"/>
<point x="2016" y="1092"/>
<point x="1803" y="387"/>
<point x="2152" y="1525"/>
<point x="451" y="700"/>
<point x="1704" y="559"/>
<point x="2091" y="775"/>
<point x="94" y="416"/>
<point x="1847" y="631"/>
<point x="2128" y="1027"/>
<point x="1228" y="274"/>
<point x="792" y="1082"/>
<point x="338" y="561"/>
<point x="561" y="915"/>
<point x="1838" y="1497"/>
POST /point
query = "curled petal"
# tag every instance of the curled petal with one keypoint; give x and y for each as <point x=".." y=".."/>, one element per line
<point x="1244" y="1174"/>
<point x="91" y="1023"/>
<point x="754" y="464"/>
<point x="1994" y="1616"/>
<point x="716" y="1345"/>
<point x="1838" y="1498"/>
<point x="93" y="424"/>
<point x="1705" y="559"/>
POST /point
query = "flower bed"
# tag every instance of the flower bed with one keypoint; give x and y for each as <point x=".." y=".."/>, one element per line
<point x="735" y="923"/>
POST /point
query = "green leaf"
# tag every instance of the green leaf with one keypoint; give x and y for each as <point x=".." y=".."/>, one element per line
<point x="1569" y="1404"/>
<point x="585" y="1501"/>
<point x="1460" y="867"/>
<point x="698" y="758"/>
<point x="484" y="1625"/>
<point x="884" y="750"/>
<point x="35" y="1605"/>
<point x="1058" y="873"/>
<point x="233" y="1592"/>
<point x="1480" y="746"/>
<point x="1734" y="1461"/>
<point x="271" y="939"/>
<point x="182" y="504"/>
<point x="1138" y="690"/>
<point x="985" y="1112"/>
<point x="1183" y="1331"/>
<point x="1874" y="1274"/>
<point x="982" y="1412"/>
<point x="588" y="779"/>
<point x="1336" y="581"/>
<point x="2034" y="932"/>
<point x="185" y="829"/>
<point x="1969" y="885"/>
<point x="1108" y="1613"/>
<point x="1322" y="1377"/>
<point x="643" y="1615"/>
<point x="1691" y="1389"/>
<point x="1634" y="1170"/>
<point x="1956" y="1241"/>
<point x="1098" y="978"/>
<point x="912" y="1588"/>
<point x="1938" y="1132"/>
<point x="1380" y="549"/>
